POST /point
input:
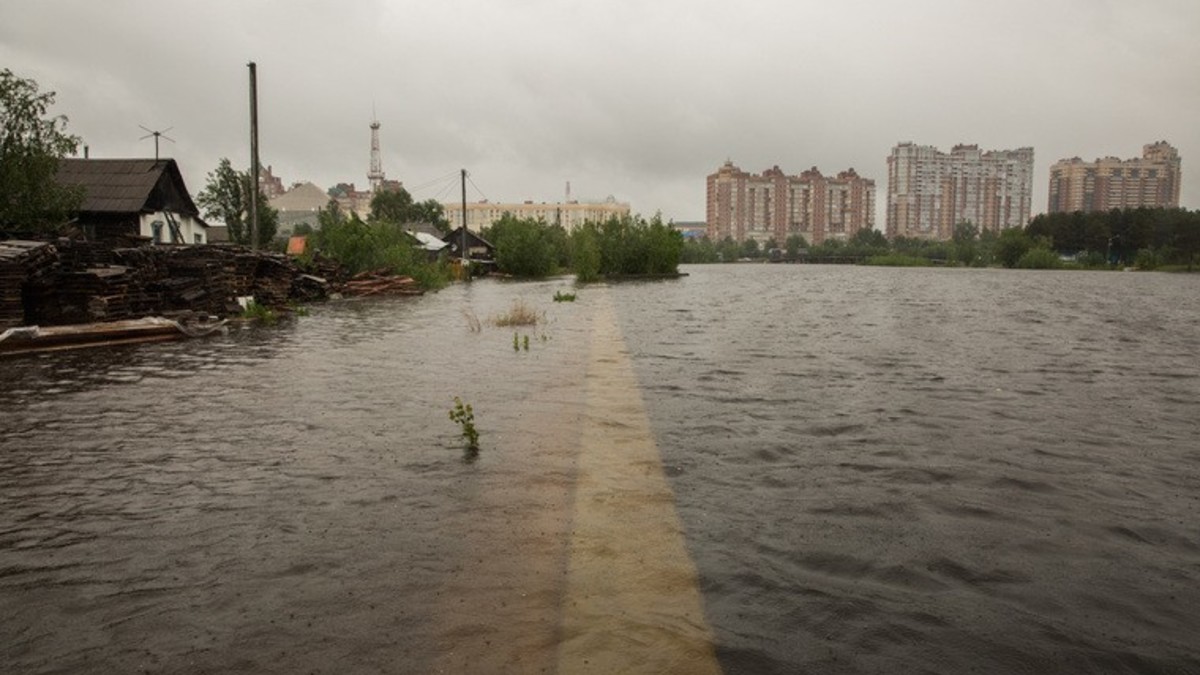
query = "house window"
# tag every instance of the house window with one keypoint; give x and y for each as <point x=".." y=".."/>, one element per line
<point x="156" y="228"/>
<point x="199" y="238"/>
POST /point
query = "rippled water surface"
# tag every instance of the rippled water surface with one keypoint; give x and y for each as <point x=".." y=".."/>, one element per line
<point x="874" y="470"/>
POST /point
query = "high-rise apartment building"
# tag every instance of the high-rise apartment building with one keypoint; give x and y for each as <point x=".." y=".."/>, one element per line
<point x="1111" y="183"/>
<point x="773" y="205"/>
<point x="930" y="191"/>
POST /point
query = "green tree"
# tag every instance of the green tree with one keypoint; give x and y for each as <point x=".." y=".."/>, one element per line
<point x="794" y="243"/>
<point x="392" y="206"/>
<point x="749" y="249"/>
<point x="361" y="246"/>
<point x="523" y="246"/>
<point x="31" y="145"/>
<point x="1186" y="236"/>
<point x="867" y="242"/>
<point x="728" y="249"/>
<point x="964" y="238"/>
<point x="226" y="197"/>
<point x="330" y="216"/>
<point x="1012" y="244"/>
<point x="585" y="253"/>
<point x="432" y="212"/>
<point x="698" y="250"/>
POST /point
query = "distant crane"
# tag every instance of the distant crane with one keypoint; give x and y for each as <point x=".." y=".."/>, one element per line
<point x="156" y="135"/>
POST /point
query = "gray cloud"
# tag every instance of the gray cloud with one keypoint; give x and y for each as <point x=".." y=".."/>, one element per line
<point x="638" y="100"/>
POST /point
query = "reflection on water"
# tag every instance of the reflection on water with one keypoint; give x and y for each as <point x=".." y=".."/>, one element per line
<point x="876" y="471"/>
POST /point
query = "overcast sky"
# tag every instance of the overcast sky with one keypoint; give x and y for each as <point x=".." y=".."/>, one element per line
<point x="639" y="99"/>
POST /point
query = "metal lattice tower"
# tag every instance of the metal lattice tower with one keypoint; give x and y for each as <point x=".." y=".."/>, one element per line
<point x="375" y="174"/>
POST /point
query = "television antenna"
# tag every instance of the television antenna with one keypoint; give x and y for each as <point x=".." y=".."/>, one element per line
<point x="156" y="135"/>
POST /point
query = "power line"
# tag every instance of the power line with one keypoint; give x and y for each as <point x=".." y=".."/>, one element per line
<point x="485" y="197"/>
<point x="448" y="178"/>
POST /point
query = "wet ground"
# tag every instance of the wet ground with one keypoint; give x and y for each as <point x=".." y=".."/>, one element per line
<point x="751" y="469"/>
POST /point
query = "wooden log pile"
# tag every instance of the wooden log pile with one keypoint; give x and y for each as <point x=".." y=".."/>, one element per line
<point x="273" y="281"/>
<point x="380" y="282"/>
<point x="24" y="266"/>
<point x="78" y="282"/>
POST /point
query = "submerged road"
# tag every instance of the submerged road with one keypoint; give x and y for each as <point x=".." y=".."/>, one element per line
<point x="632" y="601"/>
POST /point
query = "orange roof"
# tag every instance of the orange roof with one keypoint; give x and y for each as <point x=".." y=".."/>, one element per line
<point x="296" y="245"/>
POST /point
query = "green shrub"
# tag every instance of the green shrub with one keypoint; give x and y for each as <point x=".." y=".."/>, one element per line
<point x="1147" y="259"/>
<point x="256" y="312"/>
<point x="1039" y="259"/>
<point x="359" y="246"/>
<point x="524" y="247"/>
<point x="898" y="260"/>
<point x="1091" y="260"/>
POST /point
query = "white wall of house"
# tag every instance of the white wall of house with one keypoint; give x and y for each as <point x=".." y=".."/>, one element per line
<point x="157" y="227"/>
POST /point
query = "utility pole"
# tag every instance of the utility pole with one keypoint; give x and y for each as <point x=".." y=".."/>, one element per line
<point x="466" y="259"/>
<point x="253" y="156"/>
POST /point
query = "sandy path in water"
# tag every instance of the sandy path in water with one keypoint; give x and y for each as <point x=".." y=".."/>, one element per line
<point x="577" y="563"/>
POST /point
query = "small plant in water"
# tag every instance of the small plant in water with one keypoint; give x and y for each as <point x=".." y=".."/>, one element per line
<point x="526" y="343"/>
<point x="465" y="417"/>
<point x="520" y="314"/>
<point x="262" y="313"/>
<point x="559" y="296"/>
<point x="473" y="323"/>
<point x="516" y="342"/>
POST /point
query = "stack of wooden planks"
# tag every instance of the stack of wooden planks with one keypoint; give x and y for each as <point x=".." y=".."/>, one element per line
<point x="77" y="281"/>
<point x="380" y="282"/>
<point x="23" y="265"/>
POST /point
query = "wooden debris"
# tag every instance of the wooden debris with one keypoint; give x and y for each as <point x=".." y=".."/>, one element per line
<point x="380" y="282"/>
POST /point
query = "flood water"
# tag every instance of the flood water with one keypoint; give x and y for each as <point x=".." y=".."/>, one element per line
<point x="752" y="469"/>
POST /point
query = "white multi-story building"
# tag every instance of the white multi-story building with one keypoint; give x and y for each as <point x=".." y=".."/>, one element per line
<point x="568" y="214"/>
<point x="930" y="191"/>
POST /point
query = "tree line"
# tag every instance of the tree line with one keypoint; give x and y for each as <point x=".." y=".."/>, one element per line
<point x="621" y="246"/>
<point x="1147" y="238"/>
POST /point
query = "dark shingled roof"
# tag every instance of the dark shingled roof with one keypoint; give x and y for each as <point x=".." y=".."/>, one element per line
<point x="115" y="186"/>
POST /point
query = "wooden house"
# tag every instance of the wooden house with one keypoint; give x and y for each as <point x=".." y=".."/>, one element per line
<point x="127" y="200"/>
<point x="478" y="248"/>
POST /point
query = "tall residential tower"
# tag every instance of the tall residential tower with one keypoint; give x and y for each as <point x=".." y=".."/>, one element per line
<point x="773" y="205"/>
<point x="1111" y="183"/>
<point x="930" y="191"/>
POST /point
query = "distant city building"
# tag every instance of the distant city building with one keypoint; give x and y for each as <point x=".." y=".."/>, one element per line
<point x="300" y="204"/>
<point x="773" y="205"/>
<point x="1111" y="183"/>
<point x="930" y="191"/>
<point x="270" y="184"/>
<point x="691" y="229"/>
<point x="352" y="200"/>
<point x="568" y="214"/>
